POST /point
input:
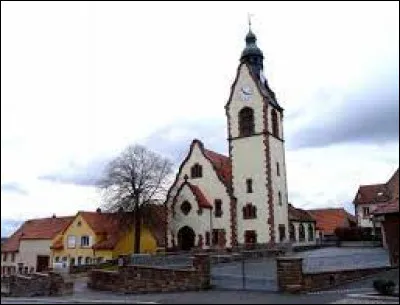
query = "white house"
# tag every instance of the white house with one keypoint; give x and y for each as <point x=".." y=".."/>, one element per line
<point x="229" y="201"/>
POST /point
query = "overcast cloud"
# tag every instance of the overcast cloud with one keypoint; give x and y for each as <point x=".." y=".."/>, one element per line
<point x="82" y="80"/>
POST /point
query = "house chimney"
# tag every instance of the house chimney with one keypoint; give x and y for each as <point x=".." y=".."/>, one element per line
<point x="120" y="210"/>
<point x="54" y="216"/>
<point x="98" y="210"/>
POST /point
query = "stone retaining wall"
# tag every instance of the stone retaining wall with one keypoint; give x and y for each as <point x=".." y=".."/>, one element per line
<point x="35" y="284"/>
<point x="142" y="279"/>
<point x="291" y="277"/>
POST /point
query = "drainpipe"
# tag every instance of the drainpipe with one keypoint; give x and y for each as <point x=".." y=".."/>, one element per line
<point x="211" y="231"/>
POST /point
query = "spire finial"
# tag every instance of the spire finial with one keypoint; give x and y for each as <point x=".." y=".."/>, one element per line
<point x="249" y="18"/>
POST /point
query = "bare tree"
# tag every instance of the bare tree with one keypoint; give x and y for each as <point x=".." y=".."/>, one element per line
<point x="134" y="179"/>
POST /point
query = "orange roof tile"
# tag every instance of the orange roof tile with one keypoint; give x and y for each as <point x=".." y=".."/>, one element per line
<point x="222" y="165"/>
<point x="329" y="219"/>
<point x="44" y="228"/>
<point x="201" y="199"/>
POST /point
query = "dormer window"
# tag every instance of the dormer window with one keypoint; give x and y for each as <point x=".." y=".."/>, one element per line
<point x="380" y="194"/>
<point x="196" y="171"/>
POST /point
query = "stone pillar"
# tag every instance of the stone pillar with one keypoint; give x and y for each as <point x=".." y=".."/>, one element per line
<point x="290" y="273"/>
<point x="202" y="264"/>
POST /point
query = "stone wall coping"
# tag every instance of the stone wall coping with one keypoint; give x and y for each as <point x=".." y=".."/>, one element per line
<point x="289" y="258"/>
<point x="23" y="276"/>
<point x="191" y="269"/>
<point x="105" y="271"/>
<point x="41" y="274"/>
<point x="348" y="270"/>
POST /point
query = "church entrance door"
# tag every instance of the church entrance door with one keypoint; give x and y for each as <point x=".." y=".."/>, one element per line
<point x="186" y="237"/>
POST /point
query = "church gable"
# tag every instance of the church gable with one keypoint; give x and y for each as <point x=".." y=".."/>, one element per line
<point x="208" y="169"/>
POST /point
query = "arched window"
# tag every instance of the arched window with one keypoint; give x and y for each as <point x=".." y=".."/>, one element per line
<point x="275" y="126"/>
<point x="292" y="234"/>
<point x="196" y="171"/>
<point x="246" y="122"/>
<point x="302" y="233"/>
<point x="310" y="232"/>
<point x="186" y="207"/>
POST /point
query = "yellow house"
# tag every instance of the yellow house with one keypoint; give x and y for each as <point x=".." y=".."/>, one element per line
<point x="98" y="236"/>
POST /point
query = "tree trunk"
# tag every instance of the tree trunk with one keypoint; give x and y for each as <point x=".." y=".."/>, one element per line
<point x="137" y="227"/>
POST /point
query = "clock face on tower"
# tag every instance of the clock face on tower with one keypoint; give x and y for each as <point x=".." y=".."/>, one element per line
<point x="245" y="93"/>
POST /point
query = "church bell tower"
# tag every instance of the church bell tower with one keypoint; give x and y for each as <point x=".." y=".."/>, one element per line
<point x="256" y="149"/>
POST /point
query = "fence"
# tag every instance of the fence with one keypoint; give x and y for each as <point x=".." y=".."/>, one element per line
<point x="341" y="259"/>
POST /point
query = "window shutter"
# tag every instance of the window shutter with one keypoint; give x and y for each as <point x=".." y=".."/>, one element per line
<point x="90" y="240"/>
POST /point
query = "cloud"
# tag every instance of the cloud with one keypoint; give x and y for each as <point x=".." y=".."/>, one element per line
<point x="9" y="226"/>
<point x="86" y="174"/>
<point x="13" y="187"/>
<point x="364" y="113"/>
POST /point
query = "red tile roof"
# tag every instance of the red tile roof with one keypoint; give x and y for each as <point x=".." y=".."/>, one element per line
<point x="329" y="219"/>
<point x="375" y="193"/>
<point x="44" y="228"/>
<point x="222" y="165"/>
<point x="371" y="193"/>
<point x="296" y="214"/>
<point x="201" y="199"/>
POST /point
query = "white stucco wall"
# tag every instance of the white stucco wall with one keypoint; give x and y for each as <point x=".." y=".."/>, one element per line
<point x="8" y="262"/>
<point x="365" y="221"/>
<point x="279" y="185"/>
<point x="31" y="248"/>
<point x="249" y="160"/>
<point x="212" y="189"/>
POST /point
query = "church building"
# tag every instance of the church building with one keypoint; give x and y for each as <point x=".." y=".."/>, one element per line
<point x="240" y="200"/>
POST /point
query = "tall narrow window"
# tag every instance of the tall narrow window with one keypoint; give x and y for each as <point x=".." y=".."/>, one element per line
<point x="278" y="172"/>
<point x="282" y="232"/>
<point x="246" y="122"/>
<point x="302" y="233"/>
<point x="196" y="171"/>
<point x="249" y="185"/>
<point x="218" y="207"/>
<point x="250" y="237"/>
<point x="207" y="238"/>
<point x="310" y="232"/>
<point x="280" y="198"/>
<point x="275" y="128"/>
<point x="292" y="234"/>
<point x="365" y="211"/>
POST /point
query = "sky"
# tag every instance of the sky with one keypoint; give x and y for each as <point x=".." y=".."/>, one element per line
<point x="82" y="80"/>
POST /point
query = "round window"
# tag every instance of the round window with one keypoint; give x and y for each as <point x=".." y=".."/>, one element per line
<point x="186" y="207"/>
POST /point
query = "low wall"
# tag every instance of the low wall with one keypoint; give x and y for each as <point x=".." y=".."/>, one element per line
<point x="35" y="284"/>
<point x="142" y="279"/>
<point x="74" y="269"/>
<point x="291" y="277"/>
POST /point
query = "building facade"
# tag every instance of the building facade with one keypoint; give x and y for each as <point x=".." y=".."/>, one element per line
<point x="302" y="228"/>
<point x="28" y="249"/>
<point x="237" y="200"/>
<point x="95" y="237"/>
<point x="369" y="197"/>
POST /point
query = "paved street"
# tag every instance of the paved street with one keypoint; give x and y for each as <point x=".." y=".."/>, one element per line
<point x="353" y="293"/>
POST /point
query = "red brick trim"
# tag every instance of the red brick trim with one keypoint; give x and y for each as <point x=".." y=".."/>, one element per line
<point x="268" y="172"/>
<point x="233" y="203"/>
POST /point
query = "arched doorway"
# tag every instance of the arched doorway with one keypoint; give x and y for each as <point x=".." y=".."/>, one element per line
<point x="186" y="238"/>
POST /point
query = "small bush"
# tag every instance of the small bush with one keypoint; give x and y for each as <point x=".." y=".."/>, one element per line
<point x="384" y="287"/>
<point x="354" y="234"/>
